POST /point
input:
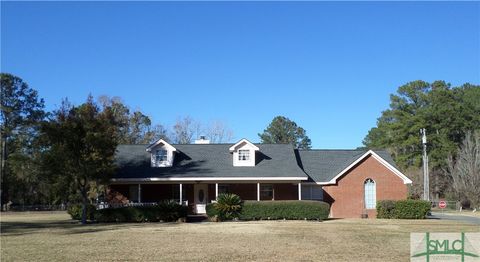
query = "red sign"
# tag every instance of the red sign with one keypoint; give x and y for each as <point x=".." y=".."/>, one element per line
<point x="442" y="204"/>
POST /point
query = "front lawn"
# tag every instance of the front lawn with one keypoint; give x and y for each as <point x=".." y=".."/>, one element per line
<point x="46" y="236"/>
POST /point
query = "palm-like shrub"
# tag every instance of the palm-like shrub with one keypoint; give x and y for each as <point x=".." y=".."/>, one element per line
<point x="228" y="206"/>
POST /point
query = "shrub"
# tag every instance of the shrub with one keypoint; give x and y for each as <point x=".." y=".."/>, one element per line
<point x="289" y="209"/>
<point x="228" y="206"/>
<point x="170" y="210"/>
<point x="211" y="211"/>
<point x="165" y="211"/>
<point x="403" y="209"/>
<point x="75" y="211"/>
<point x="386" y="209"/>
<point x="412" y="209"/>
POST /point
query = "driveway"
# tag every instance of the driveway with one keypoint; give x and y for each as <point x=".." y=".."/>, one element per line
<point x="459" y="218"/>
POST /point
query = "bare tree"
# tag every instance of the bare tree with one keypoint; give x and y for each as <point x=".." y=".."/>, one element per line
<point x="158" y="132"/>
<point x="184" y="130"/>
<point x="135" y="127"/>
<point x="218" y="132"/>
<point x="416" y="189"/>
<point x="465" y="169"/>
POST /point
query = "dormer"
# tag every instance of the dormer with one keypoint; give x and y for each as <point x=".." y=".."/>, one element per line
<point x="243" y="153"/>
<point x="161" y="154"/>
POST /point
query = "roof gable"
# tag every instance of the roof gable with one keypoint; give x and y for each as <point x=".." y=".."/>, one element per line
<point x="243" y="142"/>
<point x="325" y="167"/>
<point x="161" y="142"/>
<point x="397" y="172"/>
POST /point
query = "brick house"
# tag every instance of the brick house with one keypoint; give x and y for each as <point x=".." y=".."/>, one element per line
<point x="351" y="181"/>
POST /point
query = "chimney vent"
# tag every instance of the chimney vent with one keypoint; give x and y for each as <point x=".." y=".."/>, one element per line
<point x="202" y="140"/>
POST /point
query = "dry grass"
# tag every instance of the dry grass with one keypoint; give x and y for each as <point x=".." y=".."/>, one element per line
<point x="53" y="236"/>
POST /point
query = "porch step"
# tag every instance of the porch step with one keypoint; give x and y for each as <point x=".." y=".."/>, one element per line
<point x="196" y="218"/>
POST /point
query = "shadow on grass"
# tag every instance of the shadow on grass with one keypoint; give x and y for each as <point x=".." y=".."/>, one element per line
<point x="66" y="227"/>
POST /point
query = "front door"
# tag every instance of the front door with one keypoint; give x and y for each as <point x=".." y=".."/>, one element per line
<point x="201" y="193"/>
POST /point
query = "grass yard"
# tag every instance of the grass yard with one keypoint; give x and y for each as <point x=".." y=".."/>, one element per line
<point x="45" y="236"/>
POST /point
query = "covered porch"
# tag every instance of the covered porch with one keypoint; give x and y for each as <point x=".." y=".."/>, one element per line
<point x="197" y="194"/>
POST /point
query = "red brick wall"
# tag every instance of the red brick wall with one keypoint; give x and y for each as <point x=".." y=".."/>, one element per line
<point x="346" y="197"/>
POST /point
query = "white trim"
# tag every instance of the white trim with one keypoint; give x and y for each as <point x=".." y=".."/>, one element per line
<point x="233" y="148"/>
<point x="216" y="191"/>
<point x="139" y="193"/>
<point x="258" y="191"/>
<point x="299" y="191"/>
<point x="181" y="193"/>
<point x="159" y="179"/>
<point x="405" y="179"/>
<point x="382" y="161"/>
<point x="158" y="142"/>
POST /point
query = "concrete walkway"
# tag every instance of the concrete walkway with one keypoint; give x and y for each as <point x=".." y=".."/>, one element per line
<point x="459" y="218"/>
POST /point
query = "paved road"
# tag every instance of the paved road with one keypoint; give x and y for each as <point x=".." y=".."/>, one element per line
<point x="460" y="218"/>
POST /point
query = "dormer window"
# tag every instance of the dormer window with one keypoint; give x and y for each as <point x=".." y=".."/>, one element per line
<point x="161" y="155"/>
<point x="243" y="155"/>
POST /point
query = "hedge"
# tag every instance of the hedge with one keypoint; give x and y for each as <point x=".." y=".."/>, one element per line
<point x="386" y="209"/>
<point x="288" y="209"/>
<point x="403" y="209"/>
<point x="75" y="211"/>
<point x="165" y="211"/>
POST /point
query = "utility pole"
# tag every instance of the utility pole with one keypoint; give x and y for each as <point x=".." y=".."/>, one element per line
<point x="426" y="182"/>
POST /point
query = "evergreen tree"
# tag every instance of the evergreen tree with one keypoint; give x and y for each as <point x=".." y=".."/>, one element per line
<point x="81" y="146"/>
<point x="284" y="130"/>
<point x="21" y="114"/>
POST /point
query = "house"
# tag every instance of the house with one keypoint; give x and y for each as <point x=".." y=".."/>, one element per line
<point x="351" y="181"/>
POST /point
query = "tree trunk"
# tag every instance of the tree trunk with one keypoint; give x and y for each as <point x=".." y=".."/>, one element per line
<point x="84" y="207"/>
<point x="3" y="179"/>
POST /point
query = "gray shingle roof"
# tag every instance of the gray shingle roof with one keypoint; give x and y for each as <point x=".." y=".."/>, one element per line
<point x="208" y="160"/>
<point x="323" y="165"/>
<point x="215" y="160"/>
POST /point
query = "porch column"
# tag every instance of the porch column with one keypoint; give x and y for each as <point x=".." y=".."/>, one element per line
<point x="299" y="190"/>
<point x="139" y="193"/>
<point x="216" y="191"/>
<point x="181" y="194"/>
<point x="258" y="191"/>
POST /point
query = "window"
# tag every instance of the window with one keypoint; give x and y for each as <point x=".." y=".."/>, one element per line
<point x="161" y="155"/>
<point x="176" y="192"/>
<point x="243" y="155"/>
<point x="223" y="189"/>
<point x="312" y="192"/>
<point x="266" y="192"/>
<point x="133" y="193"/>
<point x="370" y="194"/>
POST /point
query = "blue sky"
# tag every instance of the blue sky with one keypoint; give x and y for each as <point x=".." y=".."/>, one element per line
<point x="329" y="66"/>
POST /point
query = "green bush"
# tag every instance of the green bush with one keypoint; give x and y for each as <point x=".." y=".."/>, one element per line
<point x="386" y="209"/>
<point x="289" y="209"/>
<point x="75" y="211"/>
<point x="211" y="211"/>
<point x="228" y="206"/>
<point x="403" y="209"/>
<point x="165" y="211"/>
<point x="412" y="209"/>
